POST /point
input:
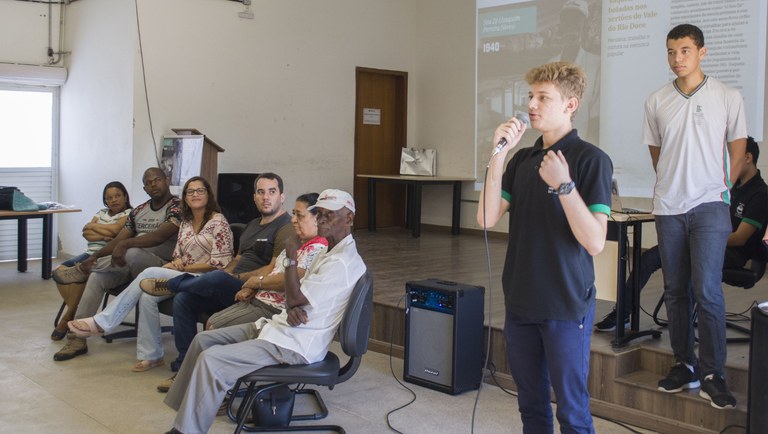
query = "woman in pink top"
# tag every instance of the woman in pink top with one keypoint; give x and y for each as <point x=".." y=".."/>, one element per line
<point x="204" y="244"/>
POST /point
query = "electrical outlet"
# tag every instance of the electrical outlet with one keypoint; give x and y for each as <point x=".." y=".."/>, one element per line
<point x="247" y="15"/>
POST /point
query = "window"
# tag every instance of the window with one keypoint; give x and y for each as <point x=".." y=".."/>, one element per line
<point x="25" y="120"/>
<point x="28" y="122"/>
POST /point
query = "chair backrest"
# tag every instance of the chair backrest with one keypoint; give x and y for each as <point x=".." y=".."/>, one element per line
<point x="234" y="193"/>
<point x="237" y="232"/>
<point x="759" y="260"/>
<point x="355" y="326"/>
<point x="747" y="277"/>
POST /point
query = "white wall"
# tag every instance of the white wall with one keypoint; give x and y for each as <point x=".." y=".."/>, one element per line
<point x="444" y="83"/>
<point x="277" y="92"/>
<point x="96" y="112"/>
<point x="24" y="32"/>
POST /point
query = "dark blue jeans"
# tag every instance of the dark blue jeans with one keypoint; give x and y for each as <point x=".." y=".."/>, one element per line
<point x="550" y="353"/>
<point x="74" y="260"/>
<point x="692" y="247"/>
<point x="207" y="293"/>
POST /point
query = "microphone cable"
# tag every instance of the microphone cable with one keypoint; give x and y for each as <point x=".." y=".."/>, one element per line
<point x="490" y="304"/>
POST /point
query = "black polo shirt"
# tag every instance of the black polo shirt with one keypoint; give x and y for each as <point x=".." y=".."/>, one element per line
<point x="547" y="273"/>
<point x="749" y="204"/>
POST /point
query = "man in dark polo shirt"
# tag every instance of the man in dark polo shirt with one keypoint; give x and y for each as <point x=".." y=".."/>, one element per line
<point x="749" y="211"/>
<point x="558" y="195"/>
<point x="262" y="241"/>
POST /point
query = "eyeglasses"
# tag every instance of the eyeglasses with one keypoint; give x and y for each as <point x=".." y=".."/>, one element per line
<point x="198" y="191"/>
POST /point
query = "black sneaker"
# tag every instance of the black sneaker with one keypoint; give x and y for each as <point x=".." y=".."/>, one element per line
<point x="608" y="324"/>
<point x="679" y="378"/>
<point x="715" y="390"/>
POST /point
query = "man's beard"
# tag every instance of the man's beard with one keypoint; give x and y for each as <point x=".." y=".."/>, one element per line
<point x="269" y="213"/>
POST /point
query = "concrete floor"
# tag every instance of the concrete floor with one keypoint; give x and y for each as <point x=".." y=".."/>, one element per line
<point x="97" y="392"/>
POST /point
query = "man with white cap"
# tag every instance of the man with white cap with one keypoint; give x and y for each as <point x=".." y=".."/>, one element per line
<point x="301" y="333"/>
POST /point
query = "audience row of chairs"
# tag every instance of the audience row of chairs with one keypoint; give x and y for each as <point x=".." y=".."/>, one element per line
<point x="353" y="337"/>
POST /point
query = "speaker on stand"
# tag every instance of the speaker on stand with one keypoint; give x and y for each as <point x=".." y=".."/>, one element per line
<point x="757" y="401"/>
<point x="444" y="335"/>
<point x="235" y="197"/>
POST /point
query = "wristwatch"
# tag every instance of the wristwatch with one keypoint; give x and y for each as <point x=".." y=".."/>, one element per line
<point x="288" y="262"/>
<point x="565" y="188"/>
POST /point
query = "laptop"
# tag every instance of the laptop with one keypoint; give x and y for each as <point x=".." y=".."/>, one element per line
<point x="616" y="201"/>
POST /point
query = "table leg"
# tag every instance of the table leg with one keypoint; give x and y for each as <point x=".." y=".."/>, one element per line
<point x="408" y="205"/>
<point x="47" y="244"/>
<point x="21" y="248"/>
<point x="456" y="218"/>
<point x="621" y="279"/>
<point x="371" y="205"/>
<point x="634" y="332"/>
<point x="416" y="210"/>
<point x="637" y="251"/>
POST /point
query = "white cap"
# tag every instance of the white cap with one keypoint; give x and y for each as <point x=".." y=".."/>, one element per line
<point x="334" y="200"/>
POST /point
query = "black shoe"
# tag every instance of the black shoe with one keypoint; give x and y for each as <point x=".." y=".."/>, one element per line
<point x="176" y="365"/>
<point x="173" y="431"/>
<point x="679" y="378"/>
<point x="57" y="335"/>
<point x="716" y="391"/>
<point x="608" y="324"/>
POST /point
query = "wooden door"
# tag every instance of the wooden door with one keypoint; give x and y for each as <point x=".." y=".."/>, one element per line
<point x="380" y="133"/>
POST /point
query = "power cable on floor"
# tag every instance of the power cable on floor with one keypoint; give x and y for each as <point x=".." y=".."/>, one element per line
<point x="392" y="370"/>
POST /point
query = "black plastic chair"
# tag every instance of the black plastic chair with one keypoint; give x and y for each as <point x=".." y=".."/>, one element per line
<point x="133" y="327"/>
<point x="113" y="292"/>
<point x="745" y="278"/>
<point x="353" y="336"/>
<point x="120" y="334"/>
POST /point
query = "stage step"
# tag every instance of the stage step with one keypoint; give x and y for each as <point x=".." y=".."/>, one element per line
<point x="634" y="387"/>
<point x="622" y="382"/>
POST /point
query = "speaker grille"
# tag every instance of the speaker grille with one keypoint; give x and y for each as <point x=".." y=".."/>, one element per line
<point x="430" y="337"/>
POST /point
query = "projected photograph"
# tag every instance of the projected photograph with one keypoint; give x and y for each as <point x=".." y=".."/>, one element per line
<point x="622" y="47"/>
<point x="513" y="37"/>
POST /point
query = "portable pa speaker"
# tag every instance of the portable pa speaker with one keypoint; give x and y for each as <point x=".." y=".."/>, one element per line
<point x="757" y="401"/>
<point x="444" y="335"/>
<point x="235" y="196"/>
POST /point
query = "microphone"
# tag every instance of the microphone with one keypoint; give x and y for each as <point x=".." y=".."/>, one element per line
<point x="502" y="143"/>
<point x="520" y="116"/>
